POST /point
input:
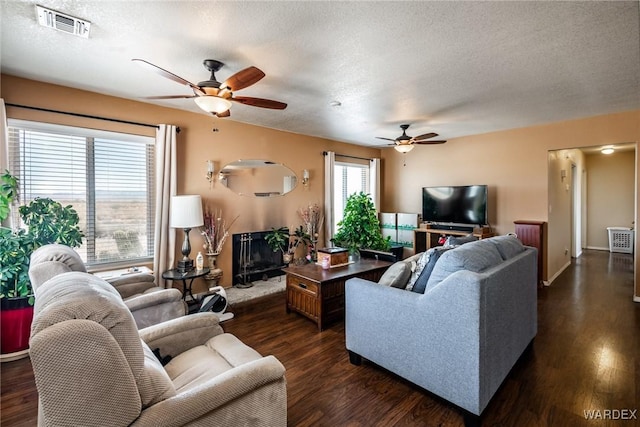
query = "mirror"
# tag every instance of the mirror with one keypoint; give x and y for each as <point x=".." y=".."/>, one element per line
<point x="258" y="178"/>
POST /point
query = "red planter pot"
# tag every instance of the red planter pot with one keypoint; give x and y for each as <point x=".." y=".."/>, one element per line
<point x="16" y="315"/>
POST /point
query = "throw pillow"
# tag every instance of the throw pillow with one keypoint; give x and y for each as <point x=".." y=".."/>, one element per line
<point x="415" y="272"/>
<point x="433" y="254"/>
<point x="474" y="256"/>
<point x="396" y="275"/>
<point x="508" y="246"/>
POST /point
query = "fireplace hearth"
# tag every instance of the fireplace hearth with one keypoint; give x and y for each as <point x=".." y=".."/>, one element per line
<point x="253" y="259"/>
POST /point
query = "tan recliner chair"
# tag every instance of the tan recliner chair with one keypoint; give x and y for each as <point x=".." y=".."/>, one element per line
<point x="94" y="368"/>
<point x="148" y="303"/>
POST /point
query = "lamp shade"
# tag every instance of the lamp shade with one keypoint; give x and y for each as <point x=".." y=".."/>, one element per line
<point x="212" y="104"/>
<point x="186" y="211"/>
<point x="404" y="148"/>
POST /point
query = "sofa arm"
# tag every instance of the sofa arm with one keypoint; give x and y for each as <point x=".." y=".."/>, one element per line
<point x="150" y="299"/>
<point x="131" y="284"/>
<point x="201" y="402"/>
<point x="179" y="335"/>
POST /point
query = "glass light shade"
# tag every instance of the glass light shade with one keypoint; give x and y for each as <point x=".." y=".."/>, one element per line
<point x="212" y="104"/>
<point x="607" y="151"/>
<point x="404" y="148"/>
<point x="186" y="211"/>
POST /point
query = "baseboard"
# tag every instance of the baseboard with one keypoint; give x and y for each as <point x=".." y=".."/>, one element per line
<point x="558" y="273"/>
<point x="636" y="299"/>
<point x="598" y="248"/>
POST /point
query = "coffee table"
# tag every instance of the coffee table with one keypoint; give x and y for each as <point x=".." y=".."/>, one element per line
<point x="318" y="294"/>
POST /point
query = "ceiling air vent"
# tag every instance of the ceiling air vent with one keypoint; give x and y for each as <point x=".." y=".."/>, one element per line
<point x="61" y="22"/>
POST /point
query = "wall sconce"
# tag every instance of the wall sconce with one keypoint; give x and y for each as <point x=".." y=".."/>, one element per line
<point x="305" y="179"/>
<point x="210" y="172"/>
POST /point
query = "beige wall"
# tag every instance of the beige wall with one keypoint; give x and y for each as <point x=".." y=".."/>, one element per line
<point x="514" y="163"/>
<point x="610" y="195"/>
<point x="196" y="144"/>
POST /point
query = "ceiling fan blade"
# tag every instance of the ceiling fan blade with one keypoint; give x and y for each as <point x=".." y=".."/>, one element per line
<point x="428" y="142"/>
<point x="170" y="97"/>
<point x="169" y="75"/>
<point x="243" y="78"/>
<point x="386" y="139"/>
<point x="223" y="114"/>
<point x="425" y="136"/>
<point x="260" y="102"/>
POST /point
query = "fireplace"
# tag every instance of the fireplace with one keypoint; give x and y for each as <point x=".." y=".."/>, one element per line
<point x="253" y="259"/>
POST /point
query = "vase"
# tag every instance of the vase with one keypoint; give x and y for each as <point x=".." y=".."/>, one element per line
<point x="286" y="258"/>
<point x="16" y="315"/>
<point x="215" y="274"/>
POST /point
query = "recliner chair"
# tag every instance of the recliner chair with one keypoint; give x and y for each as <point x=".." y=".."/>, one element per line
<point x="148" y="303"/>
<point x="92" y="366"/>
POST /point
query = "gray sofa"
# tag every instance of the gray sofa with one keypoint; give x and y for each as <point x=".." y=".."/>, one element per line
<point x="461" y="337"/>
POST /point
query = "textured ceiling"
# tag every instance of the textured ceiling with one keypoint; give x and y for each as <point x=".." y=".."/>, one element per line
<point x="455" y="68"/>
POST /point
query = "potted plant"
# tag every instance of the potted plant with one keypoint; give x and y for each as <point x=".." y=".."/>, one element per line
<point x="278" y="240"/>
<point x="360" y="226"/>
<point x="47" y="222"/>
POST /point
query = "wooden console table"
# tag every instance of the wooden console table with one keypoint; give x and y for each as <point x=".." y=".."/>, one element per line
<point x="318" y="294"/>
<point x="427" y="238"/>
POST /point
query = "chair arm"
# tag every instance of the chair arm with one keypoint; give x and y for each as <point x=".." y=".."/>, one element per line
<point x="131" y="284"/>
<point x="149" y="299"/>
<point x="179" y="335"/>
<point x="197" y="402"/>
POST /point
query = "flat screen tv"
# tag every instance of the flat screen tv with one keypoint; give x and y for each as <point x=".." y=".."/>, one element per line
<point x="462" y="204"/>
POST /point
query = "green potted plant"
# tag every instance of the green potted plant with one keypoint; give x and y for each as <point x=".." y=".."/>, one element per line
<point x="47" y="222"/>
<point x="360" y="226"/>
<point x="278" y="240"/>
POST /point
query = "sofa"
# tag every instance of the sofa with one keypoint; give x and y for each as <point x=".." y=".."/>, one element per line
<point x="460" y="337"/>
<point x="93" y="367"/>
<point x="150" y="304"/>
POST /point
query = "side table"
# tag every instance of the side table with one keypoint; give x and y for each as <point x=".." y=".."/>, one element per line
<point x="187" y="275"/>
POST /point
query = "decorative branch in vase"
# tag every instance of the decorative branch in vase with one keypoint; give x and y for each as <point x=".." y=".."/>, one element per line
<point x="313" y="218"/>
<point x="215" y="231"/>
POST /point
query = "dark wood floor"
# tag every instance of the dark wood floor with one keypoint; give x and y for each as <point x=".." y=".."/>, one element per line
<point x="586" y="357"/>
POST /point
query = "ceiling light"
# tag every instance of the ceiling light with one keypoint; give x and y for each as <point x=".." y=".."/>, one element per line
<point x="607" y="150"/>
<point x="212" y="104"/>
<point x="404" y="148"/>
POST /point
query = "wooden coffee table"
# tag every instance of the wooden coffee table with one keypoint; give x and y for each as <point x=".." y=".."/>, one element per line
<point x="318" y="294"/>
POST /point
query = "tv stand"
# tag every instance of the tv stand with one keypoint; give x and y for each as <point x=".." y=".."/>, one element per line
<point x="427" y="237"/>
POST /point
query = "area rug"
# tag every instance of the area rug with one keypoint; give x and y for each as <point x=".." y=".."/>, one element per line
<point x="259" y="289"/>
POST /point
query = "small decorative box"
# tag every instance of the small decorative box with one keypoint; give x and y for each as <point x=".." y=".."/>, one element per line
<point x="336" y="256"/>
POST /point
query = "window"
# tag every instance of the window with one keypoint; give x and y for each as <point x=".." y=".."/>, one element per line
<point x="349" y="178"/>
<point x="107" y="177"/>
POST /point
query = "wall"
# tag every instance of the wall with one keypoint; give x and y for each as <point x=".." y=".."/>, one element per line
<point x="514" y="163"/>
<point x="196" y="144"/>
<point x="610" y="195"/>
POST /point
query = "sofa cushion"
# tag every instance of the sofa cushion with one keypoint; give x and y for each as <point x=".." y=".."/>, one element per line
<point x="397" y="275"/>
<point x="508" y="246"/>
<point x="474" y="256"/>
<point x="460" y="240"/>
<point x="433" y="255"/>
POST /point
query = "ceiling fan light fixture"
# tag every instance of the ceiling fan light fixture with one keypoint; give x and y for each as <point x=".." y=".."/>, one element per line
<point x="212" y="104"/>
<point x="404" y="148"/>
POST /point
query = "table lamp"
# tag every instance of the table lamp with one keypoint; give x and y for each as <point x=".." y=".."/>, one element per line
<point x="186" y="213"/>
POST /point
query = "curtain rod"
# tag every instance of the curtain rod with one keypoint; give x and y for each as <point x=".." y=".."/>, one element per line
<point x="86" y="116"/>
<point x="324" y="153"/>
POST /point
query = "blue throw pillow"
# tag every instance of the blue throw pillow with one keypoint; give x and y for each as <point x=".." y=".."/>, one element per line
<point x="433" y="255"/>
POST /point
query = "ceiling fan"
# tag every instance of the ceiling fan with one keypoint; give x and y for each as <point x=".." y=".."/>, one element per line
<point x="215" y="97"/>
<point x="405" y="143"/>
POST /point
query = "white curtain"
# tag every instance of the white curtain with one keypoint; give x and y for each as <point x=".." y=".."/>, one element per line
<point x="4" y="149"/>
<point x="374" y="182"/>
<point x="329" y="179"/>
<point x="165" y="236"/>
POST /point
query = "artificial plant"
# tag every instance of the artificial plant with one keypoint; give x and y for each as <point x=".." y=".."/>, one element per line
<point x="360" y="226"/>
<point x="47" y="222"/>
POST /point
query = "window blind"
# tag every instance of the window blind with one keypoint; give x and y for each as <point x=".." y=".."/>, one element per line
<point x="107" y="177"/>
<point x="349" y="178"/>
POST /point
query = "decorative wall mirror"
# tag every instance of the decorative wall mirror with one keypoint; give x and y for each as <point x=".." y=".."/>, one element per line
<point x="258" y="178"/>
